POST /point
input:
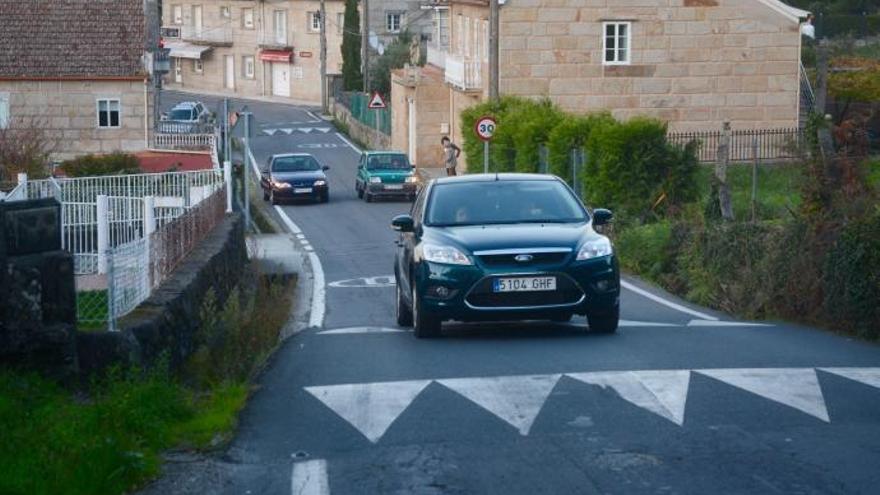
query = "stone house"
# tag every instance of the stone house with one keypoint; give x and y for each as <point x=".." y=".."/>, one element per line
<point x="253" y="47"/>
<point x="79" y="69"/>
<point x="691" y="63"/>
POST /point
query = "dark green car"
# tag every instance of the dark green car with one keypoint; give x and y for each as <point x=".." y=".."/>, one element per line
<point x="385" y="174"/>
<point x="502" y="247"/>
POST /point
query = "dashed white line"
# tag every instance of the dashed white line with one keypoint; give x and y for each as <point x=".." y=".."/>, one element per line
<point x="669" y="304"/>
<point x="314" y="117"/>
<point x="309" y="478"/>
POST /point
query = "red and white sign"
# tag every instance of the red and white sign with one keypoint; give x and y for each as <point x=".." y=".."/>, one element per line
<point x="485" y="127"/>
<point x="305" y="54"/>
<point x="376" y="101"/>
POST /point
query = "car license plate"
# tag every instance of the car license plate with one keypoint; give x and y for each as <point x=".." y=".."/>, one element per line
<point x="302" y="190"/>
<point x="524" y="284"/>
<point x="394" y="187"/>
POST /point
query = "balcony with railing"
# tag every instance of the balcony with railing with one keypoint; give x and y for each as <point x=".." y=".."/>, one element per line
<point x="437" y="55"/>
<point x="204" y="35"/>
<point x="275" y="40"/>
<point x="464" y="73"/>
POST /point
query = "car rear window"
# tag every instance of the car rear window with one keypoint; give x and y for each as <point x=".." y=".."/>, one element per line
<point x="181" y="114"/>
<point x="388" y="161"/>
<point x="501" y="202"/>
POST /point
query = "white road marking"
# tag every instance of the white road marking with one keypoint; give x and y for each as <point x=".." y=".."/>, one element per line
<point x="324" y="130"/>
<point x="269" y="132"/>
<point x="361" y="330"/>
<point x="632" y="323"/>
<point x="515" y="399"/>
<point x="304" y="130"/>
<point x="868" y="376"/>
<point x="314" y="146"/>
<point x="289" y="223"/>
<point x="309" y="478"/>
<point x="717" y="323"/>
<point x="381" y="281"/>
<point x="370" y="407"/>
<point x="663" y="392"/>
<point x="287" y="131"/>
<point x="300" y="236"/>
<point x="669" y="304"/>
<point x="349" y="143"/>
<point x="793" y="387"/>
<point x="314" y="117"/>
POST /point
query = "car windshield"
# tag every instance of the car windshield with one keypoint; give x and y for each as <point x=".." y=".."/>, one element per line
<point x="295" y="164"/>
<point x="502" y="202"/>
<point x="388" y="161"/>
<point x="181" y="114"/>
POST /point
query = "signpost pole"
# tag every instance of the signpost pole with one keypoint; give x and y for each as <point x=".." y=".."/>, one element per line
<point x="485" y="157"/>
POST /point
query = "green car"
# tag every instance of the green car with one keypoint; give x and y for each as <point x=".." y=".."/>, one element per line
<point x="385" y="174"/>
<point x="503" y="247"/>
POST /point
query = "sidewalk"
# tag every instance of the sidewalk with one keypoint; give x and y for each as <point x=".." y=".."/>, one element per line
<point x="314" y="106"/>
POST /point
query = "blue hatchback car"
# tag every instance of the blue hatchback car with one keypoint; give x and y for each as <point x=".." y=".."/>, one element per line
<point x="501" y="247"/>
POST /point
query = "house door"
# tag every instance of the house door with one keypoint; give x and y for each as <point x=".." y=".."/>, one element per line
<point x="178" y="70"/>
<point x="411" y="110"/>
<point x="197" y="20"/>
<point x="230" y="72"/>
<point x="280" y="79"/>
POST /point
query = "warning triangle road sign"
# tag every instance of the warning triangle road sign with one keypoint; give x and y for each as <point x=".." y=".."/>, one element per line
<point x="376" y="101"/>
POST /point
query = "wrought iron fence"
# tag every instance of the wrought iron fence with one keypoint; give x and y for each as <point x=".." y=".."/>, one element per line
<point x="746" y="144"/>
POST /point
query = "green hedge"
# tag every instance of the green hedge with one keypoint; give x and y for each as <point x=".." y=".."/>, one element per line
<point x="91" y="165"/>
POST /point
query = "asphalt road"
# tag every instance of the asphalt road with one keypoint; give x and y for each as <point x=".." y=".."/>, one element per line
<point x="681" y="400"/>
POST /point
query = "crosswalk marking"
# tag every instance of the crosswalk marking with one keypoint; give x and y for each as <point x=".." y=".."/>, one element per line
<point x="370" y="407"/>
<point x="868" y="376"/>
<point x="373" y="407"/>
<point x="793" y="387"/>
<point x="662" y="392"/>
<point x="515" y="399"/>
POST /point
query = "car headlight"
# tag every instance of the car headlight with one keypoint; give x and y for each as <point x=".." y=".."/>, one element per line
<point x="447" y="255"/>
<point x="595" y="249"/>
<point x="412" y="179"/>
<point x="281" y="185"/>
<point x="375" y="180"/>
<point x="320" y="182"/>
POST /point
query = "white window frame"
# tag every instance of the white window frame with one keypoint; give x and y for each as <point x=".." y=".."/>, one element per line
<point x="466" y="34"/>
<point x="247" y="12"/>
<point x="314" y="22"/>
<point x="279" y="29"/>
<point x="248" y="66"/>
<point x="225" y="12"/>
<point x="389" y="23"/>
<point x="177" y="14"/>
<point x="198" y="66"/>
<point x="109" y="111"/>
<point x="627" y="51"/>
<point x="5" y="117"/>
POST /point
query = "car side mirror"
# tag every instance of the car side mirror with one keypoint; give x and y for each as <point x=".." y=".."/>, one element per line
<point x="325" y="168"/>
<point x="601" y="216"/>
<point x="403" y="223"/>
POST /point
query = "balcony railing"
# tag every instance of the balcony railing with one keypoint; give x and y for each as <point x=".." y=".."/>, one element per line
<point x="271" y="39"/>
<point x="217" y="35"/>
<point x="437" y="55"/>
<point x="464" y="73"/>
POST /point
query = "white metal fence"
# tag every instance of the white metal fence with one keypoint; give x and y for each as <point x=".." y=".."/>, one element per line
<point x="128" y="278"/>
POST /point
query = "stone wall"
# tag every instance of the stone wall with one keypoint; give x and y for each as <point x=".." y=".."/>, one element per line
<point x="430" y="95"/>
<point x="165" y="325"/>
<point x="68" y="111"/>
<point x="37" y="294"/>
<point x="363" y="133"/>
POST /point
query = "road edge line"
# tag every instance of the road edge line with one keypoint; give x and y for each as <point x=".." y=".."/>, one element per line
<point x="349" y="143"/>
<point x="665" y="302"/>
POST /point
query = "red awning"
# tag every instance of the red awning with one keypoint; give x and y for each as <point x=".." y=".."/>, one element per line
<point x="276" y="55"/>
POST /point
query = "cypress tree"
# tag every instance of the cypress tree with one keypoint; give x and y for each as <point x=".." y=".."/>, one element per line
<point x="352" y="80"/>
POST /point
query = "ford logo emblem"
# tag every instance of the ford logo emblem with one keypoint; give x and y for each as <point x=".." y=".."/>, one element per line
<point x="524" y="258"/>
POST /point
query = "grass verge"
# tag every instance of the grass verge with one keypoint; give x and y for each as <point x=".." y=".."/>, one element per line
<point x="108" y="438"/>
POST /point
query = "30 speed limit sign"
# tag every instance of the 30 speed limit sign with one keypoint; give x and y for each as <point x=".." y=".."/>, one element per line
<point x="485" y="128"/>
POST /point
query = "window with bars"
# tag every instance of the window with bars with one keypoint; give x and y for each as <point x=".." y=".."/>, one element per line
<point x="393" y="21"/>
<point x="247" y="64"/>
<point x="617" y="42"/>
<point x="109" y="113"/>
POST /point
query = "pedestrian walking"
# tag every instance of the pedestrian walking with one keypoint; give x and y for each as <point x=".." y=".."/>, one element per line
<point x="451" y="153"/>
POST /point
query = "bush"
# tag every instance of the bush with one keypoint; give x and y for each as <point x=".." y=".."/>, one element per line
<point x="91" y="165"/>
<point x="632" y="168"/>
<point x="647" y="250"/>
<point x="571" y="132"/>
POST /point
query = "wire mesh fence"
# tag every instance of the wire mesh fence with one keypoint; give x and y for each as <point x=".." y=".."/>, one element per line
<point x="91" y="308"/>
<point x="128" y="279"/>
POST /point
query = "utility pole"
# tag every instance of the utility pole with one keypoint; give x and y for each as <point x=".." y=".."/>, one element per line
<point x="323" y="59"/>
<point x="365" y="46"/>
<point x="493" y="50"/>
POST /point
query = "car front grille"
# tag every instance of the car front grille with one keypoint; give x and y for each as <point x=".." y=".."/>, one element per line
<point x="509" y="260"/>
<point x="567" y="292"/>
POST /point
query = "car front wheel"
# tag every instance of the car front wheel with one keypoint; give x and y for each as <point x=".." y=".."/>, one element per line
<point x="604" y="322"/>
<point x="359" y="190"/>
<point x="424" y="326"/>
<point x="404" y="312"/>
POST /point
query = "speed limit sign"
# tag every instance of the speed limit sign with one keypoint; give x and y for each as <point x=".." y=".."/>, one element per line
<point x="485" y="127"/>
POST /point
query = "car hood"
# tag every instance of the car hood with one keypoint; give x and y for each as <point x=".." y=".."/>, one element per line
<point x="298" y="176"/>
<point x="516" y="236"/>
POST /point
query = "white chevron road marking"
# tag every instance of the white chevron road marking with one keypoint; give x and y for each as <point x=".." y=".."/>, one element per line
<point x="515" y="399"/>
<point x="793" y="387"/>
<point x="663" y="392"/>
<point x="868" y="376"/>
